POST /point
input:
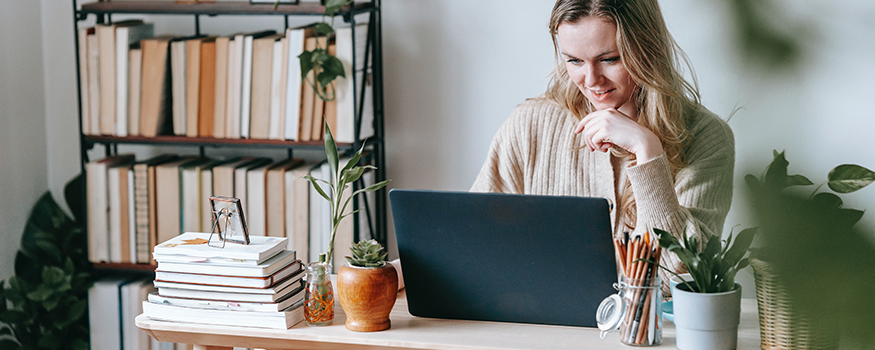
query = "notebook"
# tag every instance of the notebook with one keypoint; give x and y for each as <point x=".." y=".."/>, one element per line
<point x="504" y="257"/>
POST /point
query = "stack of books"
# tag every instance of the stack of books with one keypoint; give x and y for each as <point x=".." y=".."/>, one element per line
<point x="254" y="285"/>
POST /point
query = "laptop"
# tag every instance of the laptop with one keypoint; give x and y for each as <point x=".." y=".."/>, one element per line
<point x="504" y="257"/>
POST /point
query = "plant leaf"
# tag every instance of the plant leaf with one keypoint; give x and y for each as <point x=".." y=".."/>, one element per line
<point x="373" y="187"/>
<point x="306" y="59"/>
<point x="827" y="200"/>
<point x="742" y="243"/>
<point x="752" y="182"/>
<point x="313" y="181"/>
<point x="53" y="275"/>
<point x="332" y="6"/>
<point x="776" y="173"/>
<point x="847" y="178"/>
<point x="323" y="28"/>
<point x="330" y="149"/>
<point x="798" y="180"/>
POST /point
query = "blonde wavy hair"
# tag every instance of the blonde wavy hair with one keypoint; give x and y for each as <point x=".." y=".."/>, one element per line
<point x="653" y="59"/>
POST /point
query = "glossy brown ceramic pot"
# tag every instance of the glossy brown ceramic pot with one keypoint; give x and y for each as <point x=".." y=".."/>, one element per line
<point x="367" y="295"/>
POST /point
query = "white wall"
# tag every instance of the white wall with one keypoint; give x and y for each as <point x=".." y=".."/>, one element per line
<point x="454" y="70"/>
<point x="22" y="123"/>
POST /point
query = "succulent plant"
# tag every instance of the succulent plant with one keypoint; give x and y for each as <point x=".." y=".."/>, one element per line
<point x="367" y="254"/>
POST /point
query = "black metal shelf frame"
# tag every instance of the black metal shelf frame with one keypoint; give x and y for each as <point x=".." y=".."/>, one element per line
<point x="103" y="10"/>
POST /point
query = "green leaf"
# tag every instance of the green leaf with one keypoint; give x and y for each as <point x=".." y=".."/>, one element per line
<point x="352" y="175"/>
<point x="50" y="341"/>
<point x="331" y="150"/>
<point x="332" y="6"/>
<point x="742" y="243"/>
<point x="41" y="293"/>
<point x="313" y="181"/>
<point x="712" y="247"/>
<point x="849" y="217"/>
<point x="847" y="178"/>
<point x="798" y="180"/>
<point x="324" y="28"/>
<point x="776" y="173"/>
<point x="827" y="200"/>
<point x="334" y="66"/>
<point x="752" y="182"/>
<point x="306" y="59"/>
<point x="53" y="275"/>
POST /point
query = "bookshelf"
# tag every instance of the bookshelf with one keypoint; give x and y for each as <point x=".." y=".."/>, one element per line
<point x="102" y="12"/>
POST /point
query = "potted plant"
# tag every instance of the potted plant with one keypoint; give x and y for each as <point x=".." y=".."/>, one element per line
<point x="788" y="218"/>
<point x="707" y="310"/>
<point x="319" y="297"/>
<point x="367" y="287"/>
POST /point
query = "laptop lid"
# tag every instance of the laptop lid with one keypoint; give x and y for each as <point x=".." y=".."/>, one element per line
<point x="504" y="257"/>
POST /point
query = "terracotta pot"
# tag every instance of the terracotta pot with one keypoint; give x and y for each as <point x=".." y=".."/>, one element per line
<point x="367" y="295"/>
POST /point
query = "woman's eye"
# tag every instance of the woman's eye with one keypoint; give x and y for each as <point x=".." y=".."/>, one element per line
<point x="610" y="59"/>
<point x="573" y="61"/>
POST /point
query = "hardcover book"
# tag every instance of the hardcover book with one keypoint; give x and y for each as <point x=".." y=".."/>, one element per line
<point x="194" y="244"/>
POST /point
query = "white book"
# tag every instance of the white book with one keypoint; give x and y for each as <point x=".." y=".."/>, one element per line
<point x="227" y="266"/>
<point x="105" y="313"/>
<point x="276" y="288"/>
<point x="276" y="320"/>
<point x="193" y="201"/>
<point x="124" y="37"/>
<point x="93" y="85"/>
<point x="244" y="296"/>
<point x="135" y="67"/>
<point x="345" y="109"/>
<point x="132" y="297"/>
<point x="278" y="306"/>
<point x="223" y="279"/>
<point x="194" y="244"/>
<point x="82" y="37"/>
<point x="320" y="214"/>
<point x="240" y="184"/>
<point x="235" y="72"/>
<point x="177" y="71"/>
<point x="277" y="92"/>
<point x="295" y="37"/>
<point x="256" y="201"/>
<point x="246" y="86"/>
<point x="297" y="192"/>
<point x="97" y="200"/>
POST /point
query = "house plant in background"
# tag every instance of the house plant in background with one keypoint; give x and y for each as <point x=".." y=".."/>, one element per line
<point x="45" y="305"/>
<point x="367" y="287"/>
<point x="804" y="220"/>
<point x="707" y="310"/>
<point x="319" y="298"/>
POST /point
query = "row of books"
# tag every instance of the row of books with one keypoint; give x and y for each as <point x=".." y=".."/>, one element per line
<point x="113" y="304"/>
<point x="133" y="204"/>
<point x="246" y="85"/>
<point x="201" y="281"/>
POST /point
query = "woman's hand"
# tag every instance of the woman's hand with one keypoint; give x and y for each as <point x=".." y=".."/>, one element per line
<point x="605" y="128"/>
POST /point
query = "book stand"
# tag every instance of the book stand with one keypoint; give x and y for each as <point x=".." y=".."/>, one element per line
<point x="228" y="219"/>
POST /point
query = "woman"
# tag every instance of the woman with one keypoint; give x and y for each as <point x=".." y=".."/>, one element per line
<point x="619" y="121"/>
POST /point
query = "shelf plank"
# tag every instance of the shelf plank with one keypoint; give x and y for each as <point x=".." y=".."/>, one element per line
<point x="209" y="141"/>
<point x="210" y="8"/>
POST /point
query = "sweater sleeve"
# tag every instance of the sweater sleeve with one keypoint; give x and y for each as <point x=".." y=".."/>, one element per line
<point x="699" y="197"/>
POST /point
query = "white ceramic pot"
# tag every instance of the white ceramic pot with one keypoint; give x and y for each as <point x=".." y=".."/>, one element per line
<point x="707" y="320"/>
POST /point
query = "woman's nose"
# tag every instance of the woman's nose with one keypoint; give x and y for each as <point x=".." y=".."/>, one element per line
<point x="594" y="76"/>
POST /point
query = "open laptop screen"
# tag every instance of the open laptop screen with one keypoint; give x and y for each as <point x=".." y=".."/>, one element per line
<point x="503" y="257"/>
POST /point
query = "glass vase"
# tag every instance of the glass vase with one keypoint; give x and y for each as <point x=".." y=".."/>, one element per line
<point x="319" y="295"/>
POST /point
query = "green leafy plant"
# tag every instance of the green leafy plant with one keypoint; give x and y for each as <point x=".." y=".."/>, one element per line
<point x="341" y="178"/>
<point x="845" y="178"/>
<point x="367" y="254"/>
<point x="44" y="306"/>
<point x="712" y="265"/>
<point x="325" y="66"/>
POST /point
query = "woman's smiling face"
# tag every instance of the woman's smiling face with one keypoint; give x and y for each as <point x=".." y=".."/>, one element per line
<point x="589" y="48"/>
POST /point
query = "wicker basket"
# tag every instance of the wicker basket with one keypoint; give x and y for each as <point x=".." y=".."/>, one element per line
<point x="782" y="327"/>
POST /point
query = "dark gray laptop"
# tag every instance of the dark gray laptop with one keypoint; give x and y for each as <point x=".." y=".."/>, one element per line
<point x="502" y="257"/>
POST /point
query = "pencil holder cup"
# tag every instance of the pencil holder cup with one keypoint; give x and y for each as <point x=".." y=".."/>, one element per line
<point x="636" y="311"/>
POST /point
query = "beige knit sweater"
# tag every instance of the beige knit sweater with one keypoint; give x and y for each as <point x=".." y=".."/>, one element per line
<point x="536" y="152"/>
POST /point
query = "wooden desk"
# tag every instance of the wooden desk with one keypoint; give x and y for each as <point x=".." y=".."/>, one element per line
<point x="409" y="332"/>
